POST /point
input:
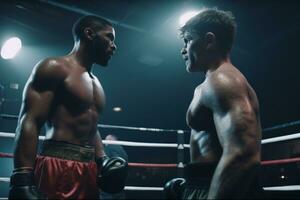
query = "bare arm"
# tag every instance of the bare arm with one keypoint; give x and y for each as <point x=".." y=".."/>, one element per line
<point x="194" y="148"/>
<point x="238" y="132"/>
<point x="37" y="100"/>
<point x="97" y="139"/>
<point x="99" y="147"/>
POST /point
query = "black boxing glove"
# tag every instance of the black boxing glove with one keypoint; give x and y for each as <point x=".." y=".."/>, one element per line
<point x="174" y="188"/>
<point x="22" y="186"/>
<point x="112" y="173"/>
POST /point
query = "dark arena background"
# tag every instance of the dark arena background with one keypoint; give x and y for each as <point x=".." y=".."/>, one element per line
<point x="148" y="89"/>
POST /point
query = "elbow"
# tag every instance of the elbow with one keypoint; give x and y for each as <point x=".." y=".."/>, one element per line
<point x="28" y="128"/>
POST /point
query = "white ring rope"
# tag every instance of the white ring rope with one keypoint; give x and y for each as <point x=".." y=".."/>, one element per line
<point x="140" y="128"/>
<point x="280" y="126"/>
<point x="281" y="138"/>
<point x="283" y="188"/>
<point x="135" y="188"/>
<point x="12" y="135"/>
<point x="125" y="143"/>
<point x="8" y="116"/>
<point x="140" y="144"/>
<point x="5" y="179"/>
<point x="145" y="144"/>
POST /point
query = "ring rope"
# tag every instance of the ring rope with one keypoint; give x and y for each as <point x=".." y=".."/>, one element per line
<point x="6" y="155"/>
<point x="280" y="126"/>
<point x="173" y="165"/>
<point x="140" y="144"/>
<point x="281" y="138"/>
<point x="140" y="128"/>
<point x="144" y="144"/>
<point x="7" y="180"/>
<point x="125" y="143"/>
<point x="152" y="165"/>
<point x="12" y="135"/>
<point x="137" y="188"/>
<point x="283" y="188"/>
<point x="276" y="188"/>
<point x="4" y="179"/>
<point x="148" y="165"/>
<point x="281" y="161"/>
<point x="8" y="116"/>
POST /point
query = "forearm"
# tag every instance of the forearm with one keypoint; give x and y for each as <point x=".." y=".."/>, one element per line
<point x="231" y="177"/>
<point x="99" y="147"/>
<point x="22" y="185"/>
<point x="26" y="143"/>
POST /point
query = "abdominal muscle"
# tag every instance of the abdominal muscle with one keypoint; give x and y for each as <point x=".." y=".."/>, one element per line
<point x="76" y="129"/>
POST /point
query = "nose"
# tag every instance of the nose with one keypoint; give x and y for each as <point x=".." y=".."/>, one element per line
<point x="113" y="46"/>
<point x="183" y="51"/>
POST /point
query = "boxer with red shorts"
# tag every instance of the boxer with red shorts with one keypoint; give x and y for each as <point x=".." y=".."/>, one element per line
<point x="73" y="165"/>
<point x="64" y="95"/>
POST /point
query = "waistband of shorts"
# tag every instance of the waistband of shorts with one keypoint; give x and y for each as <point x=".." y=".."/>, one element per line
<point x="199" y="173"/>
<point x="68" y="151"/>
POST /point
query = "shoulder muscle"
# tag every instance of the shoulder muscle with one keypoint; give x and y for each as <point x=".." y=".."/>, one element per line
<point x="224" y="88"/>
<point x="47" y="73"/>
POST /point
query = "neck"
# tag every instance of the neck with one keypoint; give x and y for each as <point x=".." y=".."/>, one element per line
<point x="215" y="64"/>
<point x="80" y="55"/>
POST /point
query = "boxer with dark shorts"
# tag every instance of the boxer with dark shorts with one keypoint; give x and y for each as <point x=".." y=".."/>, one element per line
<point x="223" y="116"/>
<point x="63" y="94"/>
<point x="198" y="177"/>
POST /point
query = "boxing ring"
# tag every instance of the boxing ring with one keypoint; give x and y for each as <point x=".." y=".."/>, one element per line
<point x="180" y="146"/>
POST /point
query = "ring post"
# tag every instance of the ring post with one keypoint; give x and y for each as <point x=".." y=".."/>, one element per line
<point x="180" y="152"/>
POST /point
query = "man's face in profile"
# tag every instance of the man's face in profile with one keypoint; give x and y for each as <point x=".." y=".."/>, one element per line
<point x="103" y="45"/>
<point x="192" y="52"/>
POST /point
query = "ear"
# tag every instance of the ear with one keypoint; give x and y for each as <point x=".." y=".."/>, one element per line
<point x="210" y="40"/>
<point x="89" y="33"/>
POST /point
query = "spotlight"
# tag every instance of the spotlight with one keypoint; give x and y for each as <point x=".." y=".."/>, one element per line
<point x="186" y="17"/>
<point x="11" y="47"/>
<point x="117" y="109"/>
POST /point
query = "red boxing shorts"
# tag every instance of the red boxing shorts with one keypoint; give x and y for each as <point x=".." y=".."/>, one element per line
<point x="66" y="171"/>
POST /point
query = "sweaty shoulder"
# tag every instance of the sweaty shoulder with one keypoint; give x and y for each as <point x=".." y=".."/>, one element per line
<point x="49" y="71"/>
<point x="50" y="68"/>
<point x="225" y="85"/>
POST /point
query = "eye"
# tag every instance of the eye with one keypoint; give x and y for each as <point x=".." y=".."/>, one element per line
<point x="110" y="36"/>
<point x="187" y="39"/>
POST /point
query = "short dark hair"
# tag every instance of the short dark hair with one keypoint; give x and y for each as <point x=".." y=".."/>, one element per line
<point x="219" y="22"/>
<point x="92" y="21"/>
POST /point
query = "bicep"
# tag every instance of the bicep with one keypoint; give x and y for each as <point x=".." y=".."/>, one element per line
<point x="36" y="103"/>
<point x="233" y="112"/>
<point x="234" y="124"/>
<point x="40" y="90"/>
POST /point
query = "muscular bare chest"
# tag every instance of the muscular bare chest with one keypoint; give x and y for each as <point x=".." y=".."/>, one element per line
<point x="198" y="116"/>
<point x="82" y="91"/>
